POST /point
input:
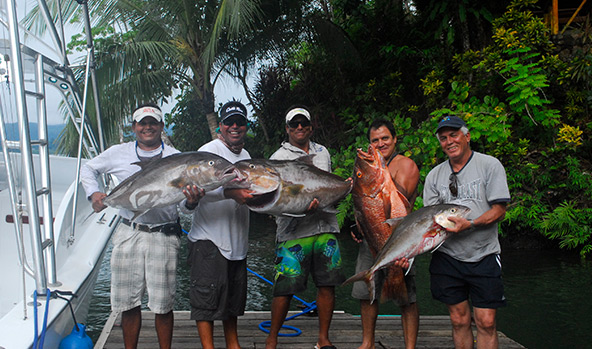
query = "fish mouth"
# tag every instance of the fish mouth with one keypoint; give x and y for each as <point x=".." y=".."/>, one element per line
<point x="261" y="201"/>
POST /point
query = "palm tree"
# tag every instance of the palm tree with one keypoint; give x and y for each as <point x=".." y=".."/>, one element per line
<point x="162" y="45"/>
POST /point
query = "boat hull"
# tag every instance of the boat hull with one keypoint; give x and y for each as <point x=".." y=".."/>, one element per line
<point x="78" y="260"/>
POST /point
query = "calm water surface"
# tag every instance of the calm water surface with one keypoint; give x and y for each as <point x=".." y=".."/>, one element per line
<point x="549" y="303"/>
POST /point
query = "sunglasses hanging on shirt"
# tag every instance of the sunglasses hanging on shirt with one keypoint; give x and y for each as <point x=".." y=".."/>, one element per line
<point x="453" y="185"/>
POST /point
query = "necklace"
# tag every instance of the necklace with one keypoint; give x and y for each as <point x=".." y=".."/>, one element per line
<point x="150" y="158"/>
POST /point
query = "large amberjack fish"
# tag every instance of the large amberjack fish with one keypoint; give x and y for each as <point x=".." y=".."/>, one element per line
<point x="377" y="200"/>
<point x="287" y="187"/>
<point x="419" y="232"/>
<point x="160" y="182"/>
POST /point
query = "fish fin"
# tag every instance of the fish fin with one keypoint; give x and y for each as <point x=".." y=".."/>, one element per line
<point x="357" y="277"/>
<point x="394" y="286"/>
<point x="405" y="201"/>
<point x="294" y="215"/>
<point x="410" y="264"/>
<point x="437" y="247"/>
<point x="138" y="214"/>
<point x="294" y="189"/>
<point x="371" y="288"/>
<point x="143" y="164"/>
<point x="393" y="222"/>
<point x="307" y="159"/>
<point x="178" y="182"/>
<point x="368" y="277"/>
<point x="386" y="206"/>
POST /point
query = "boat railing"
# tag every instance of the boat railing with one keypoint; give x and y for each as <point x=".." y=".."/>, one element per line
<point x="26" y="202"/>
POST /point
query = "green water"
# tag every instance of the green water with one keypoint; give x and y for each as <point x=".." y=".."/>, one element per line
<point x="549" y="303"/>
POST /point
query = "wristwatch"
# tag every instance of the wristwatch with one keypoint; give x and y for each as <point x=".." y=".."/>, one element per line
<point x="472" y="224"/>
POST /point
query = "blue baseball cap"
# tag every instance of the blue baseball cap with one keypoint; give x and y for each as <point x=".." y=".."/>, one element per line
<point x="451" y="121"/>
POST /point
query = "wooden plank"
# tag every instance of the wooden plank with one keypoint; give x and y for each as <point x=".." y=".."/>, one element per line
<point x="346" y="332"/>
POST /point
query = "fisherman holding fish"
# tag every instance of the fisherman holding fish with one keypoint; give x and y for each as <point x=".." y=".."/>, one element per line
<point x="218" y="239"/>
<point x="468" y="264"/>
<point x="305" y="245"/>
<point x="145" y="249"/>
<point x="405" y="175"/>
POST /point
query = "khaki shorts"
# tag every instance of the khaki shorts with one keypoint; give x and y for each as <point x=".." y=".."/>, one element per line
<point x="143" y="261"/>
<point x="364" y="262"/>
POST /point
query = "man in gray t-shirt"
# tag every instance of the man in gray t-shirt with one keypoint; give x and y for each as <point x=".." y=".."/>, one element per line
<point x="467" y="265"/>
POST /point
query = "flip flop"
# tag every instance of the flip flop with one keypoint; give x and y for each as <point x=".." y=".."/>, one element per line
<point x="324" y="347"/>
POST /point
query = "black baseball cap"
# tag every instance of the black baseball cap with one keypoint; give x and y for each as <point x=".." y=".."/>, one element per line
<point x="232" y="108"/>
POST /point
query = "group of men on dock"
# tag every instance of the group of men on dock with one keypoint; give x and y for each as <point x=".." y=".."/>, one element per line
<point x="145" y="250"/>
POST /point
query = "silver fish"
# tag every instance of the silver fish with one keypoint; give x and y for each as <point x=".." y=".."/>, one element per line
<point x="419" y="232"/>
<point x="287" y="187"/>
<point x="160" y="182"/>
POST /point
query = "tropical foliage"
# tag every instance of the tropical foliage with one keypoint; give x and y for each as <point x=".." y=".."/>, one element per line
<point x="525" y="94"/>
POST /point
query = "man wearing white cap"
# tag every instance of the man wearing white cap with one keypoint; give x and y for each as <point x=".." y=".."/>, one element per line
<point x="310" y="240"/>
<point x="145" y="251"/>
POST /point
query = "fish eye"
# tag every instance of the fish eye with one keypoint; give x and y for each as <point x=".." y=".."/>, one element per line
<point x="359" y="174"/>
<point x="251" y="166"/>
<point x="211" y="162"/>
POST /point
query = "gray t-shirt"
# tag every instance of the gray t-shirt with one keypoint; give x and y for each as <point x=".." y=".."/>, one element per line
<point x="289" y="228"/>
<point x="481" y="183"/>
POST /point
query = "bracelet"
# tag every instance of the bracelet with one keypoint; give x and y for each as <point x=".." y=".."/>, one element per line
<point x="472" y="224"/>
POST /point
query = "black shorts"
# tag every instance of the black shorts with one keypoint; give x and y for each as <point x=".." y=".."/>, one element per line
<point x="218" y="288"/>
<point x="453" y="281"/>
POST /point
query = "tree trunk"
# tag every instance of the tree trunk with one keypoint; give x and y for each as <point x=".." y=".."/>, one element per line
<point x="212" y="124"/>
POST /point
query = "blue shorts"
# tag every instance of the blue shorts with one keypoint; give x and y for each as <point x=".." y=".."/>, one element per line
<point x="318" y="255"/>
<point x="453" y="281"/>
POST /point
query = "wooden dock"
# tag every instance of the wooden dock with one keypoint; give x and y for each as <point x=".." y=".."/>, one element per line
<point x="346" y="332"/>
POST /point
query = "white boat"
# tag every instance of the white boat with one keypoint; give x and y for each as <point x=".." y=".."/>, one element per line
<point x="60" y="259"/>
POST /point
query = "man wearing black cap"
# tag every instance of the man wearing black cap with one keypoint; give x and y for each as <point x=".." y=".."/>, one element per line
<point x="468" y="264"/>
<point x="218" y="240"/>
<point x="309" y="240"/>
<point x="145" y="251"/>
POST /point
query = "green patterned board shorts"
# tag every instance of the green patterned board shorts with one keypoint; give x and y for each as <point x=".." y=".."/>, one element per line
<point x="318" y="255"/>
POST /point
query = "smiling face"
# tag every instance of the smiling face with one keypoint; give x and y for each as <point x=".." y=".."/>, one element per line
<point x="233" y="129"/>
<point x="382" y="139"/>
<point x="299" y="131"/>
<point x="455" y="144"/>
<point x="148" y="132"/>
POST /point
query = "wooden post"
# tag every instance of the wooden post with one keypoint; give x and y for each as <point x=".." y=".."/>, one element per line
<point x="555" y="18"/>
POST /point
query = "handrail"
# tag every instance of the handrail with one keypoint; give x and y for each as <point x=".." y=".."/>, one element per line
<point x="25" y="148"/>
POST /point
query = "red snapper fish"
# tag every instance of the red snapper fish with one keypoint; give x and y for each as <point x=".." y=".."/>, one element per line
<point x="376" y="201"/>
<point x="419" y="232"/>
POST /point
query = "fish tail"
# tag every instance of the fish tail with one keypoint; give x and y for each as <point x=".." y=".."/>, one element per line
<point x="364" y="275"/>
<point x="368" y="277"/>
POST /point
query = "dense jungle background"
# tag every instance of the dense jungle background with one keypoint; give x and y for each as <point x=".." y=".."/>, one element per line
<point x="523" y="89"/>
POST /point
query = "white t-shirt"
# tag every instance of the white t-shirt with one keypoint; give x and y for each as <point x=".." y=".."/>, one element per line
<point x="218" y="219"/>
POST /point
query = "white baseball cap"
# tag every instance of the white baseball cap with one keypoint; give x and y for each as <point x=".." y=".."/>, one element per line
<point x="297" y="111"/>
<point x="145" y="111"/>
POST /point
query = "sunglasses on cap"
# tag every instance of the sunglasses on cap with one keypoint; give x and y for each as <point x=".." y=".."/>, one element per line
<point x="236" y="119"/>
<point x="453" y="185"/>
<point x="295" y="123"/>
